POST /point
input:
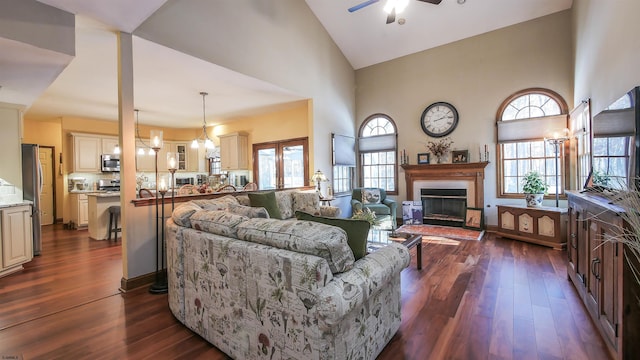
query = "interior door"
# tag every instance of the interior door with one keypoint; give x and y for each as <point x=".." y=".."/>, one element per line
<point x="47" y="205"/>
<point x="281" y="164"/>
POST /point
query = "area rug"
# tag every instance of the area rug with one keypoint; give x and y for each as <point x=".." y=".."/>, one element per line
<point x="434" y="232"/>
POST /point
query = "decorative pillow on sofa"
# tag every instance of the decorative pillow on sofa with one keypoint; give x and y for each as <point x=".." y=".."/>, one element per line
<point x="266" y="200"/>
<point x="285" y="203"/>
<point x="306" y="237"/>
<point x="308" y="202"/>
<point x="371" y="196"/>
<point x="248" y="211"/>
<point x="218" y="222"/>
<point x="357" y="231"/>
<point x="220" y="203"/>
<point x="183" y="212"/>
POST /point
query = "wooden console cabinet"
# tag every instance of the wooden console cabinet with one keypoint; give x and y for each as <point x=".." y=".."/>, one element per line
<point x="543" y="226"/>
<point x="599" y="270"/>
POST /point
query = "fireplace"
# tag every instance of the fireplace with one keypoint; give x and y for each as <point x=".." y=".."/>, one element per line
<point x="453" y="182"/>
<point x="443" y="206"/>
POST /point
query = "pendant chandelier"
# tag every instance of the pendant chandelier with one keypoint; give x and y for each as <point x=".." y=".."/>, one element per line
<point x="142" y="147"/>
<point x="208" y="144"/>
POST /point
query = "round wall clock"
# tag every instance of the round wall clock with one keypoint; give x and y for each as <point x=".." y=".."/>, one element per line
<point x="439" y="119"/>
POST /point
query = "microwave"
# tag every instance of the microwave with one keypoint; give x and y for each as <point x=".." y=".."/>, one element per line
<point x="110" y="163"/>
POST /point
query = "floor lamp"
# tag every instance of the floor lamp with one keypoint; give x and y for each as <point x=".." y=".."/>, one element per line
<point x="172" y="166"/>
<point x="557" y="141"/>
<point x="160" y="285"/>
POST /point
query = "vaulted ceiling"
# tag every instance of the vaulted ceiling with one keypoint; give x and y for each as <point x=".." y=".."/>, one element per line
<point x="87" y="87"/>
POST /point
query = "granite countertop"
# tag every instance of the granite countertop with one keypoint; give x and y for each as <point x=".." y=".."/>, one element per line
<point x="3" y="206"/>
<point x="105" y="194"/>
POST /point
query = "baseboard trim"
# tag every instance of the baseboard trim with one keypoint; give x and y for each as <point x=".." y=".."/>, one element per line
<point x="491" y="228"/>
<point x="137" y="282"/>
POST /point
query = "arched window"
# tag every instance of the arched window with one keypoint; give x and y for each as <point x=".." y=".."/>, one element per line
<point x="377" y="146"/>
<point x="524" y="120"/>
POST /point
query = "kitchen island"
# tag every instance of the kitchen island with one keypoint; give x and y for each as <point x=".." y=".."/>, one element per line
<point x="99" y="203"/>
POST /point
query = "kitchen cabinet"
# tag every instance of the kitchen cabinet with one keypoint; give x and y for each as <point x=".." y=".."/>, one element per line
<point x="16" y="238"/>
<point x="109" y="144"/>
<point x="79" y="210"/>
<point x="600" y="272"/>
<point x="86" y="153"/>
<point x="195" y="161"/>
<point x="233" y="151"/>
<point x="147" y="162"/>
<point x="180" y="149"/>
<point x="543" y="226"/>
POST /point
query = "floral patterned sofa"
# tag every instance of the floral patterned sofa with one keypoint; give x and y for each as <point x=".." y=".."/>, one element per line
<point x="261" y="288"/>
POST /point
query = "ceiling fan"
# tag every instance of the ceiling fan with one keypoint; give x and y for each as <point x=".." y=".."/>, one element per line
<point x="392" y="7"/>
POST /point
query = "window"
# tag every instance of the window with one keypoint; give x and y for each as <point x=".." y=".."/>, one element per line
<point x="281" y="164"/>
<point x="613" y="144"/>
<point x="377" y="146"/>
<point x="525" y="119"/>
<point x="343" y="149"/>
<point x="580" y="119"/>
<point x="611" y="161"/>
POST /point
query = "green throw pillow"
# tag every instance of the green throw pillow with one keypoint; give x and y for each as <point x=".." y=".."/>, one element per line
<point x="357" y="231"/>
<point x="266" y="200"/>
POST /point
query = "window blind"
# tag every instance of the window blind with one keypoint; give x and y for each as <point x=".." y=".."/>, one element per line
<point x="531" y="129"/>
<point x="377" y="143"/>
<point x="611" y="123"/>
<point x="344" y="150"/>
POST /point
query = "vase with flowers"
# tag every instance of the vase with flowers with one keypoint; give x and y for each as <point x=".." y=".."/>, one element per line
<point x="439" y="148"/>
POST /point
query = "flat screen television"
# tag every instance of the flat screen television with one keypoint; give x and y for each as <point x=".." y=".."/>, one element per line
<point x="616" y="143"/>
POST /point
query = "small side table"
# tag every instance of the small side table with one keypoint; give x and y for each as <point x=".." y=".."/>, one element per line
<point x="326" y="201"/>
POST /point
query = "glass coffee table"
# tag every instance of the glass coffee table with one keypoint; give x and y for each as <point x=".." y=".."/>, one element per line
<point x="379" y="238"/>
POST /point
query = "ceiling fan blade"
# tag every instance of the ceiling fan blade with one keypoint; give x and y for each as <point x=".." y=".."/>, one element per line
<point x="434" y="2"/>
<point x="361" y="5"/>
<point x="392" y="16"/>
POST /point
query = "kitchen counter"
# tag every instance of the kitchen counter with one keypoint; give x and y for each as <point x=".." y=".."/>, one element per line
<point x="3" y="206"/>
<point x="99" y="203"/>
<point x="105" y="194"/>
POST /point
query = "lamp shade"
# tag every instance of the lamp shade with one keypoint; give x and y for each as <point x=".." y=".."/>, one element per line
<point x="172" y="161"/>
<point x="156" y="139"/>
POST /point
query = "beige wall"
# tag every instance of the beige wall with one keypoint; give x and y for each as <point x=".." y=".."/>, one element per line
<point x="11" y="154"/>
<point x="278" y="125"/>
<point x="49" y="133"/>
<point x="282" y="43"/>
<point x="475" y="75"/>
<point x="607" y="50"/>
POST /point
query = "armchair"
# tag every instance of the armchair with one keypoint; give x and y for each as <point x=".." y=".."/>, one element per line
<point x="376" y="200"/>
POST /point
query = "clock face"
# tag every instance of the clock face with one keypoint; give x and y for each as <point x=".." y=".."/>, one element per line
<point x="439" y="119"/>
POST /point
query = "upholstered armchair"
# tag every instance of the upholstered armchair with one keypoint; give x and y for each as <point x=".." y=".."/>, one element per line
<point x="376" y="200"/>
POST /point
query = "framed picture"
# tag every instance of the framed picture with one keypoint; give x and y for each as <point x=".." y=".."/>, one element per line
<point x="423" y="158"/>
<point x="474" y="219"/>
<point x="459" y="156"/>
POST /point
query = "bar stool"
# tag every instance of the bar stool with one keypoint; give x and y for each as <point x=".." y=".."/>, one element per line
<point x="114" y="214"/>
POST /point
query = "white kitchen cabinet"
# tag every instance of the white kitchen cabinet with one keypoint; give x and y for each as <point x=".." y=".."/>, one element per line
<point x="79" y="210"/>
<point x="181" y="151"/>
<point x="16" y="238"/>
<point x="193" y="160"/>
<point x="109" y="144"/>
<point x="86" y="153"/>
<point x="233" y="151"/>
<point x="145" y="162"/>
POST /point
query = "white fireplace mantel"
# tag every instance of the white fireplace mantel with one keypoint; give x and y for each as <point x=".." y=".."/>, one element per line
<point x="471" y="172"/>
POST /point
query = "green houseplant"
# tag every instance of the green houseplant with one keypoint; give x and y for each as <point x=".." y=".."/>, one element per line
<point x="534" y="188"/>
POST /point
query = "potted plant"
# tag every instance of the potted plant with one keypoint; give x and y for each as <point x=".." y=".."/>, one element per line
<point x="534" y="188"/>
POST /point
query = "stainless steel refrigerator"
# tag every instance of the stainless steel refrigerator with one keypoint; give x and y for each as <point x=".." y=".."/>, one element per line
<point x="32" y="188"/>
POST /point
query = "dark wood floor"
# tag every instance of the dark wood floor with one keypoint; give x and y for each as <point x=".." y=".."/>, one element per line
<point x="490" y="299"/>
